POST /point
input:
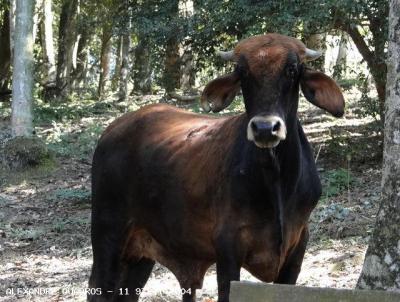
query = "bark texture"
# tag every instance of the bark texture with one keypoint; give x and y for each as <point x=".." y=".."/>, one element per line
<point x="340" y="66"/>
<point x="142" y="69"/>
<point x="124" y="70"/>
<point x="21" y="116"/>
<point x="171" y="76"/>
<point x="381" y="268"/>
<point x="12" y="27"/>
<point x="5" y="52"/>
<point x="118" y="63"/>
<point x="106" y="47"/>
<point x="67" y="38"/>
<point x="188" y="72"/>
<point x="47" y="43"/>
<point x="82" y="55"/>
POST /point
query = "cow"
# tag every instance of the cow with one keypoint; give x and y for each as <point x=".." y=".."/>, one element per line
<point x="190" y="190"/>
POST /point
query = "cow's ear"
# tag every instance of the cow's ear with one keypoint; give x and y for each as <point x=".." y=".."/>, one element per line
<point x="219" y="93"/>
<point x="322" y="91"/>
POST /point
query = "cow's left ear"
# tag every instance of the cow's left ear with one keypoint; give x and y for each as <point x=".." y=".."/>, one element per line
<point x="322" y="91"/>
<point x="219" y="93"/>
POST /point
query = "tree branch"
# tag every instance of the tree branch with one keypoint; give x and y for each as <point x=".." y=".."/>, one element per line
<point x="358" y="40"/>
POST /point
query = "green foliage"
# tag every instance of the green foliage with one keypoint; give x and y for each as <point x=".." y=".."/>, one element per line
<point x="64" y="137"/>
<point x="63" y="225"/>
<point x="369" y="106"/>
<point x="22" y="233"/>
<point x="71" y="194"/>
<point x="335" y="182"/>
<point x="80" y="144"/>
<point x="340" y="145"/>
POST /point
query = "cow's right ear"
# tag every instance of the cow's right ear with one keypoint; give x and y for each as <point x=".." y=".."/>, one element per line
<point x="219" y="93"/>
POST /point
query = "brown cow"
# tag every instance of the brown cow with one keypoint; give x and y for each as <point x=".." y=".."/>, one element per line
<point x="190" y="190"/>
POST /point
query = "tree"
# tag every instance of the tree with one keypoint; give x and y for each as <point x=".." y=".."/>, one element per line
<point x="47" y="45"/>
<point x="5" y="51"/>
<point x="22" y="86"/>
<point x="12" y="9"/>
<point x="105" y="56"/>
<point x="381" y="268"/>
<point x="86" y="26"/>
<point x="340" y="65"/>
<point x="370" y="16"/>
<point x="142" y="68"/>
<point x="124" y="55"/>
<point x="188" y="72"/>
<point x="66" y="42"/>
<point x="171" y="76"/>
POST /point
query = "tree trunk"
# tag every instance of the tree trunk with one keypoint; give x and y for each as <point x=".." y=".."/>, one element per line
<point x="188" y="72"/>
<point x="340" y="65"/>
<point x="82" y="55"/>
<point x="142" y="70"/>
<point x="124" y="70"/>
<point x="49" y="60"/>
<point x="118" y="63"/>
<point x="374" y="59"/>
<point x="66" y="38"/>
<point x="36" y="16"/>
<point x="106" y="47"/>
<point x="12" y="27"/>
<point x="21" y="117"/>
<point x="171" y="76"/>
<point x="381" y="268"/>
<point x="5" y="52"/>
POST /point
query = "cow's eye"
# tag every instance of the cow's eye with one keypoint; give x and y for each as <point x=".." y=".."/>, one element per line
<point x="291" y="71"/>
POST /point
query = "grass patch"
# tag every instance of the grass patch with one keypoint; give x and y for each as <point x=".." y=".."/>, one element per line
<point x="80" y="195"/>
<point x="335" y="182"/>
<point x="61" y="225"/>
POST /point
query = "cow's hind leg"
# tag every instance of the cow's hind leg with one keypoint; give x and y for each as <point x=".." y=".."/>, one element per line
<point x="119" y="277"/>
<point x="133" y="280"/>
<point x="291" y="268"/>
<point x="107" y="269"/>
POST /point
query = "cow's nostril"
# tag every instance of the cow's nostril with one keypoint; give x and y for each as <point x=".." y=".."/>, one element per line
<point x="254" y="127"/>
<point x="276" y="127"/>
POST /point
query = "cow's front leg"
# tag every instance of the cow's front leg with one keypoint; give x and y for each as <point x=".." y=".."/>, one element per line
<point x="291" y="268"/>
<point x="229" y="261"/>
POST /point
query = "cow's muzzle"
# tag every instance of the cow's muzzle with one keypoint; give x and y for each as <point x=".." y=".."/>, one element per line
<point x="266" y="131"/>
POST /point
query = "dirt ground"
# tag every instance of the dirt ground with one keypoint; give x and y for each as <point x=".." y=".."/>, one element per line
<point x="45" y="251"/>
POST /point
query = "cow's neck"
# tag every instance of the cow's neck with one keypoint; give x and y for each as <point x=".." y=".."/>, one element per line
<point x="271" y="173"/>
<point x="281" y="162"/>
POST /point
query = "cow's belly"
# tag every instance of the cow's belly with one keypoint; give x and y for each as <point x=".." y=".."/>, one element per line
<point x="184" y="261"/>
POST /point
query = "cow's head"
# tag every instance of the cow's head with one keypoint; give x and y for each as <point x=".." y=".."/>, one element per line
<point x="269" y="70"/>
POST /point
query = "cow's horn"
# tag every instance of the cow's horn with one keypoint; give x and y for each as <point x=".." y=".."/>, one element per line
<point x="312" y="55"/>
<point x="226" y="55"/>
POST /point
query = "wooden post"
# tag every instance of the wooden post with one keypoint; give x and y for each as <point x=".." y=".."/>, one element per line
<point x="261" y="292"/>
